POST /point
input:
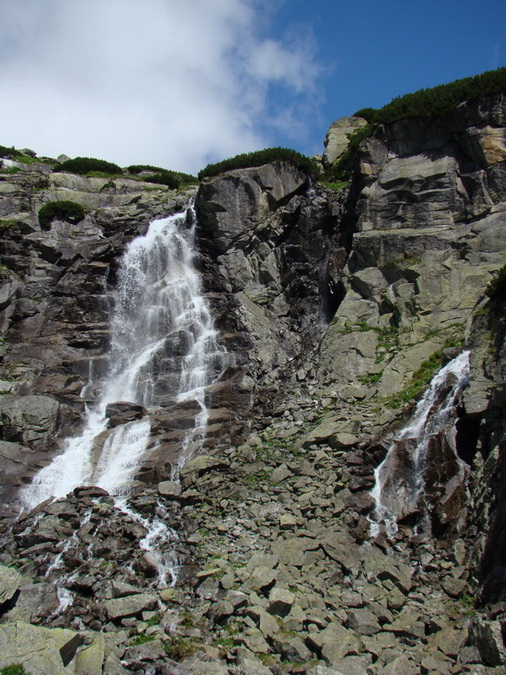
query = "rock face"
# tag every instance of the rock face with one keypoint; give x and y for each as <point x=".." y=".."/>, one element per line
<point x="337" y="306"/>
<point x="338" y="137"/>
<point x="272" y="258"/>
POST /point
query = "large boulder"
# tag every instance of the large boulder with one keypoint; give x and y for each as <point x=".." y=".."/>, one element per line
<point x="338" y="137"/>
<point x="42" y="650"/>
<point x="29" y="418"/>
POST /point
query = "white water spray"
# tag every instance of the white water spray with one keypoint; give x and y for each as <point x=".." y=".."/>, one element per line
<point x="163" y="348"/>
<point x="400" y="484"/>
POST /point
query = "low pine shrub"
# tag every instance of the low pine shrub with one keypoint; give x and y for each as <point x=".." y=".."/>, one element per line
<point x="252" y="159"/>
<point x="173" y="179"/>
<point x="139" y="168"/>
<point x="435" y="102"/>
<point x="84" y="165"/>
<point x="9" y="153"/>
<point x="63" y="210"/>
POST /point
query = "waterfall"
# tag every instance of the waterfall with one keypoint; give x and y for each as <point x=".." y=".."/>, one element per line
<point x="401" y="488"/>
<point x="163" y="348"/>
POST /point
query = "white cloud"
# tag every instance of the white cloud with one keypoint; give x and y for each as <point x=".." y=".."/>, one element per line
<point x="167" y="82"/>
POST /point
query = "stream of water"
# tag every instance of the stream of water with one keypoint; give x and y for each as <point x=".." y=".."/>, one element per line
<point x="163" y="346"/>
<point x="399" y="480"/>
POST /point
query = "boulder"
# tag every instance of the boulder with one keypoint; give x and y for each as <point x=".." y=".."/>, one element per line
<point x="334" y="642"/>
<point x="35" y="601"/>
<point x="10" y="581"/>
<point x="42" y="650"/>
<point x="169" y="489"/>
<point x="130" y="605"/>
<point x="29" y="418"/>
<point x="487" y="636"/>
<point x="199" y="466"/>
<point x="280" y="601"/>
<point x="122" y="412"/>
<point x="338" y="137"/>
<point x="230" y="204"/>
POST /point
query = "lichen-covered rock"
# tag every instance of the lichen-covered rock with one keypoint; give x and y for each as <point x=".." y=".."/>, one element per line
<point x="338" y="137"/>
<point x="43" y="650"/>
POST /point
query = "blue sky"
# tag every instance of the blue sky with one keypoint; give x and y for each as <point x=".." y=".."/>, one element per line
<point x="373" y="51"/>
<point x="180" y="83"/>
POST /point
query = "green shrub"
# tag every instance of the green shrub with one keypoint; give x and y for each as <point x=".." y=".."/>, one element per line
<point x="83" y="165"/>
<point x="13" y="670"/>
<point x="64" y="210"/>
<point x="139" y="168"/>
<point x="173" y="179"/>
<point x="252" y="159"/>
<point x="163" y="179"/>
<point x="496" y="290"/>
<point x="9" y="153"/>
<point x="435" y="102"/>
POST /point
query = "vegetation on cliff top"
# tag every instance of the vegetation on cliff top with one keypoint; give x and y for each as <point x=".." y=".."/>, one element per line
<point x="437" y="101"/>
<point x="425" y="103"/>
<point x="9" y="153"/>
<point x="155" y="174"/>
<point x="252" y="159"/>
<point x="83" y="165"/>
<point x="173" y="179"/>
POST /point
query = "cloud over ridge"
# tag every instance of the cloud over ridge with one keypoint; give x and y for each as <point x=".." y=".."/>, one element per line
<point x="163" y="82"/>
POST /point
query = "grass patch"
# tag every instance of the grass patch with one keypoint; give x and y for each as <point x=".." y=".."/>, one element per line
<point x="370" y="379"/>
<point x="257" y="478"/>
<point x="421" y="377"/>
<point x="179" y="648"/>
<point x="26" y="159"/>
<point x="142" y="639"/>
<point x="154" y="621"/>
<point x="337" y="186"/>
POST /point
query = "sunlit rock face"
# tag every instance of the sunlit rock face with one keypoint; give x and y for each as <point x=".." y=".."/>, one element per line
<point x="273" y="250"/>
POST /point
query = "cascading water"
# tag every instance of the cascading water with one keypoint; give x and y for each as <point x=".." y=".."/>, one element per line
<point x="163" y="347"/>
<point x="401" y="488"/>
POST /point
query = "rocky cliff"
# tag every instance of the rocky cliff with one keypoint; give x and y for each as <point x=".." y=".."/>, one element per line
<point x="338" y="303"/>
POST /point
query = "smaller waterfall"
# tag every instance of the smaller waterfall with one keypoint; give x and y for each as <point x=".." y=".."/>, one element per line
<point x="163" y="350"/>
<point x="158" y="542"/>
<point x="401" y="485"/>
